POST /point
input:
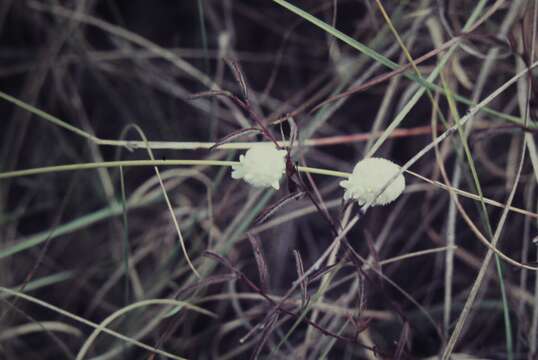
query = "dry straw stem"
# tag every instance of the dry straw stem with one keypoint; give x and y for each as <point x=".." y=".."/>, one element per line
<point x="323" y="141"/>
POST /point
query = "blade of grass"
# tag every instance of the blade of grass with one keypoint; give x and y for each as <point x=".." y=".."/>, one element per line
<point x="26" y="329"/>
<point x="126" y="246"/>
<point x="46" y="281"/>
<point x="203" y="32"/>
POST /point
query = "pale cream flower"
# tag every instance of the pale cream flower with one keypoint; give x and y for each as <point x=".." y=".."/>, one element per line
<point x="262" y="166"/>
<point x="368" y="179"/>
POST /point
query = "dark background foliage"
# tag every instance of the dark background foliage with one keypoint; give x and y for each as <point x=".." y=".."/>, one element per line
<point x="101" y="81"/>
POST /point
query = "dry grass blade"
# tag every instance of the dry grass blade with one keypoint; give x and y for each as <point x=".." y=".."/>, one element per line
<point x="263" y="270"/>
<point x="210" y="93"/>
<point x="374" y="255"/>
<point x="238" y="75"/>
<point x="268" y="328"/>
<point x="204" y="283"/>
<point x="235" y="135"/>
<point x="403" y="343"/>
<point x="220" y="259"/>
<point x="318" y="274"/>
<point x="273" y="208"/>
<point x="294" y="131"/>
<point x="300" y="273"/>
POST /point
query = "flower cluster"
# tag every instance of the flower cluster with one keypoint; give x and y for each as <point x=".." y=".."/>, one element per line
<point x="369" y="177"/>
<point x="263" y="166"/>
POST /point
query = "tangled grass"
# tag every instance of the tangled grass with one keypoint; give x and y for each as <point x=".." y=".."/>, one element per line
<point x="124" y="235"/>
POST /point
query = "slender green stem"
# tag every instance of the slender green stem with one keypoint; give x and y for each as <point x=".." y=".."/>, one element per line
<point x="319" y="171"/>
<point x="113" y="164"/>
<point x="222" y="163"/>
<point x="126" y="246"/>
<point x="132" y="163"/>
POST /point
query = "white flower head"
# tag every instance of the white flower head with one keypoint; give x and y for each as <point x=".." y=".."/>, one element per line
<point x="261" y="166"/>
<point x="369" y="177"/>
